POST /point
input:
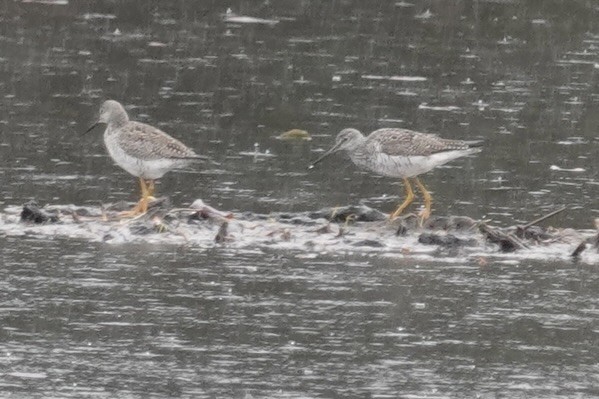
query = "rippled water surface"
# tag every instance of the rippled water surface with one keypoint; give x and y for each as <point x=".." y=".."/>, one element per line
<point x="81" y="319"/>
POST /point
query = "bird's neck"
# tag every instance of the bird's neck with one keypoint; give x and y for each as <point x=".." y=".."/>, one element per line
<point x="119" y="119"/>
<point x="357" y="146"/>
<point x="358" y="153"/>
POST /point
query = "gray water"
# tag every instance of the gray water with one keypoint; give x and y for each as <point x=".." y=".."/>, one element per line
<point x="82" y="319"/>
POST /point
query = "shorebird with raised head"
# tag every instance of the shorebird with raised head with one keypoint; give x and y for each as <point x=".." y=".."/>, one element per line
<point x="142" y="150"/>
<point x="401" y="153"/>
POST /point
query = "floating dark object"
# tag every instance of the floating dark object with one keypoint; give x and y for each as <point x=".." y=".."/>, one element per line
<point x="411" y="222"/>
<point x="579" y="249"/>
<point x="402" y="230"/>
<point x="507" y="242"/>
<point x="34" y="214"/>
<point x="446" y="240"/>
<point x="594" y="241"/>
<point x="221" y="236"/>
<point x="358" y="213"/>
<point x="407" y="223"/>
<point x="536" y="233"/>
<point x="369" y="243"/>
<point x="145" y="227"/>
<point x="295" y="135"/>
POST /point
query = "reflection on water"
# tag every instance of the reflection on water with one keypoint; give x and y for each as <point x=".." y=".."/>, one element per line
<point x="104" y="321"/>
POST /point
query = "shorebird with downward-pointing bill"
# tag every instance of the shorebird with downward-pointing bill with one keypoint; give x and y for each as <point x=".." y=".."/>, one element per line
<point x="401" y="153"/>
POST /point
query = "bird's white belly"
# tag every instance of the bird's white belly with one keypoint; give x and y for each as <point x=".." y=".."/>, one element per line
<point x="407" y="166"/>
<point x="400" y="166"/>
<point x="147" y="169"/>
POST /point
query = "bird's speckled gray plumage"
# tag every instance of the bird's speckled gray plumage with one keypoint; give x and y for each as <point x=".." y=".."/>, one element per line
<point x="405" y="142"/>
<point x="149" y="143"/>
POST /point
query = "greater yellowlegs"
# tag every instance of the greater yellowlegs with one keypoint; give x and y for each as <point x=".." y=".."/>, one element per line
<point x="401" y="153"/>
<point x="140" y="149"/>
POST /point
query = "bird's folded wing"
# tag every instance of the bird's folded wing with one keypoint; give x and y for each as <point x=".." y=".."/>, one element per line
<point x="144" y="141"/>
<point x="403" y="142"/>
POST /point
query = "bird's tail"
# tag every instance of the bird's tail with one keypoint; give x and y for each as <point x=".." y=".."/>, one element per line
<point x="200" y="158"/>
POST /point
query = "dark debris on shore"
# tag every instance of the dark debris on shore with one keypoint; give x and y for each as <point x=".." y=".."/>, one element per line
<point x="449" y="232"/>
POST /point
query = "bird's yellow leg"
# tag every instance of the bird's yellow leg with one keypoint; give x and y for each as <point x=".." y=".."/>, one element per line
<point x="407" y="201"/>
<point x="428" y="200"/>
<point x="150" y="188"/>
<point x="144" y="187"/>
<point x="149" y="194"/>
<point x="142" y="205"/>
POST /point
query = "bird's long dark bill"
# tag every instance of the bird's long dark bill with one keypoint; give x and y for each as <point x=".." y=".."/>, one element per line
<point x="323" y="156"/>
<point x="91" y="128"/>
<point x="197" y="158"/>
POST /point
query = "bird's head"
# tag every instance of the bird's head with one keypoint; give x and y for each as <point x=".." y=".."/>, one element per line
<point x="347" y="139"/>
<point x="110" y="112"/>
